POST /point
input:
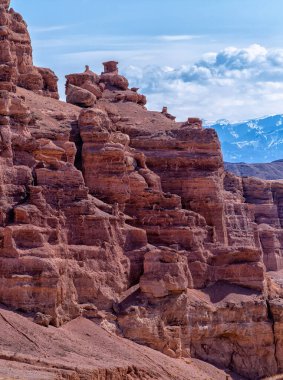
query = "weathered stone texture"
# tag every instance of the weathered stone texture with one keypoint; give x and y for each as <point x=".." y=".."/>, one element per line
<point x="16" y="57"/>
<point x="126" y="217"/>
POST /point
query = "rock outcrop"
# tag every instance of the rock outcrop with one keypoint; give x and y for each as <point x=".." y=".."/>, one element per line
<point x="16" y="62"/>
<point x="123" y="216"/>
<point x="85" y="88"/>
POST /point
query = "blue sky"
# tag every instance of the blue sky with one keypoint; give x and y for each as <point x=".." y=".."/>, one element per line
<point x="209" y="58"/>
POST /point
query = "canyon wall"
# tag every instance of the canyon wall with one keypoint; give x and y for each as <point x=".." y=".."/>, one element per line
<point x="123" y="216"/>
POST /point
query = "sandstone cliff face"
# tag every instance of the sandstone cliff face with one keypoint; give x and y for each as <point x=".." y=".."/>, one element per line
<point x="128" y="218"/>
<point x="57" y="241"/>
<point x="265" y="199"/>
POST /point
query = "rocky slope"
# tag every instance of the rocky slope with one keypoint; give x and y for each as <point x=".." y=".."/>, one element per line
<point x="82" y="350"/>
<point x="272" y="170"/>
<point x="120" y="215"/>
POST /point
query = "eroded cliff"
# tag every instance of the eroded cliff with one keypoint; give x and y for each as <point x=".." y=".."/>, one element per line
<point x="123" y="216"/>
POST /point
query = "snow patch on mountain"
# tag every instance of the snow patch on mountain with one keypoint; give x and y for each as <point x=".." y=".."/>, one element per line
<point x="256" y="140"/>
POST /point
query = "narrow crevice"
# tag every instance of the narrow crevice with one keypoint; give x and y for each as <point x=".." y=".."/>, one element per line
<point x="76" y="138"/>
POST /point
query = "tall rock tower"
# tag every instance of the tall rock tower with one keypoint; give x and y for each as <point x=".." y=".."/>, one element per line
<point x="16" y="61"/>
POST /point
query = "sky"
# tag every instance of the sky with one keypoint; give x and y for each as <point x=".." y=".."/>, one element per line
<point x="213" y="59"/>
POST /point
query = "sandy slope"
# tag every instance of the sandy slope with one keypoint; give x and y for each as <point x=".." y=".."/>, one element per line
<point x="83" y="350"/>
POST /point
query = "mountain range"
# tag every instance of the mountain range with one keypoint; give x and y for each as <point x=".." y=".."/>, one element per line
<point x="270" y="171"/>
<point x="252" y="141"/>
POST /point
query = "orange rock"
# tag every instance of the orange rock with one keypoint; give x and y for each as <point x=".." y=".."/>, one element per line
<point x="165" y="272"/>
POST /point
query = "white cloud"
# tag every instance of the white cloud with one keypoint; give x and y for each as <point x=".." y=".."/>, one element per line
<point x="47" y="29"/>
<point x="175" y="38"/>
<point x="230" y="83"/>
<point x="233" y="83"/>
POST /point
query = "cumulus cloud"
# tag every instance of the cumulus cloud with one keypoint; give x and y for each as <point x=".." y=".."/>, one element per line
<point x="233" y="83"/>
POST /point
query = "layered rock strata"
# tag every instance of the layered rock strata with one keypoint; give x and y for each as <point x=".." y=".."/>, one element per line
<point x="207" y="233"/>
<point x="128" y="218"/>
<point x="57" y="241"/>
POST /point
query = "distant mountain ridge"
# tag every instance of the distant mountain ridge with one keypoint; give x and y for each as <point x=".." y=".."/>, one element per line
<point x="271" y="171"/>
<point x="257" y="140"/>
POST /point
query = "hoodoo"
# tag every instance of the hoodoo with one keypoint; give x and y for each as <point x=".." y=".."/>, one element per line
<point x="119" y="219"/>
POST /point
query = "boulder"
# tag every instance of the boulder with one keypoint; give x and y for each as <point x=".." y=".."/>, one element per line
<point x="80" y="97"/>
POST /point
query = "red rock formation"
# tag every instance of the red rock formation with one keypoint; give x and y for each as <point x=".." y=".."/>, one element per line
<point x="85" y="88"/>
<point x="128" y="218"/>
<point x="16" y="57"/>
<point x="265" y="200"/>
<point x="83" y="350"/>
<point x="55" y="237"/>
<point x="219" y="232"/>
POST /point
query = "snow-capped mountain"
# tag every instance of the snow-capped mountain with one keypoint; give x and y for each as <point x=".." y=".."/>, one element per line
<point x="258" y="140"/>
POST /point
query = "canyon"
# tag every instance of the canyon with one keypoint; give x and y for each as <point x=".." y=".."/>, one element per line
<point x="126" y="249"/>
